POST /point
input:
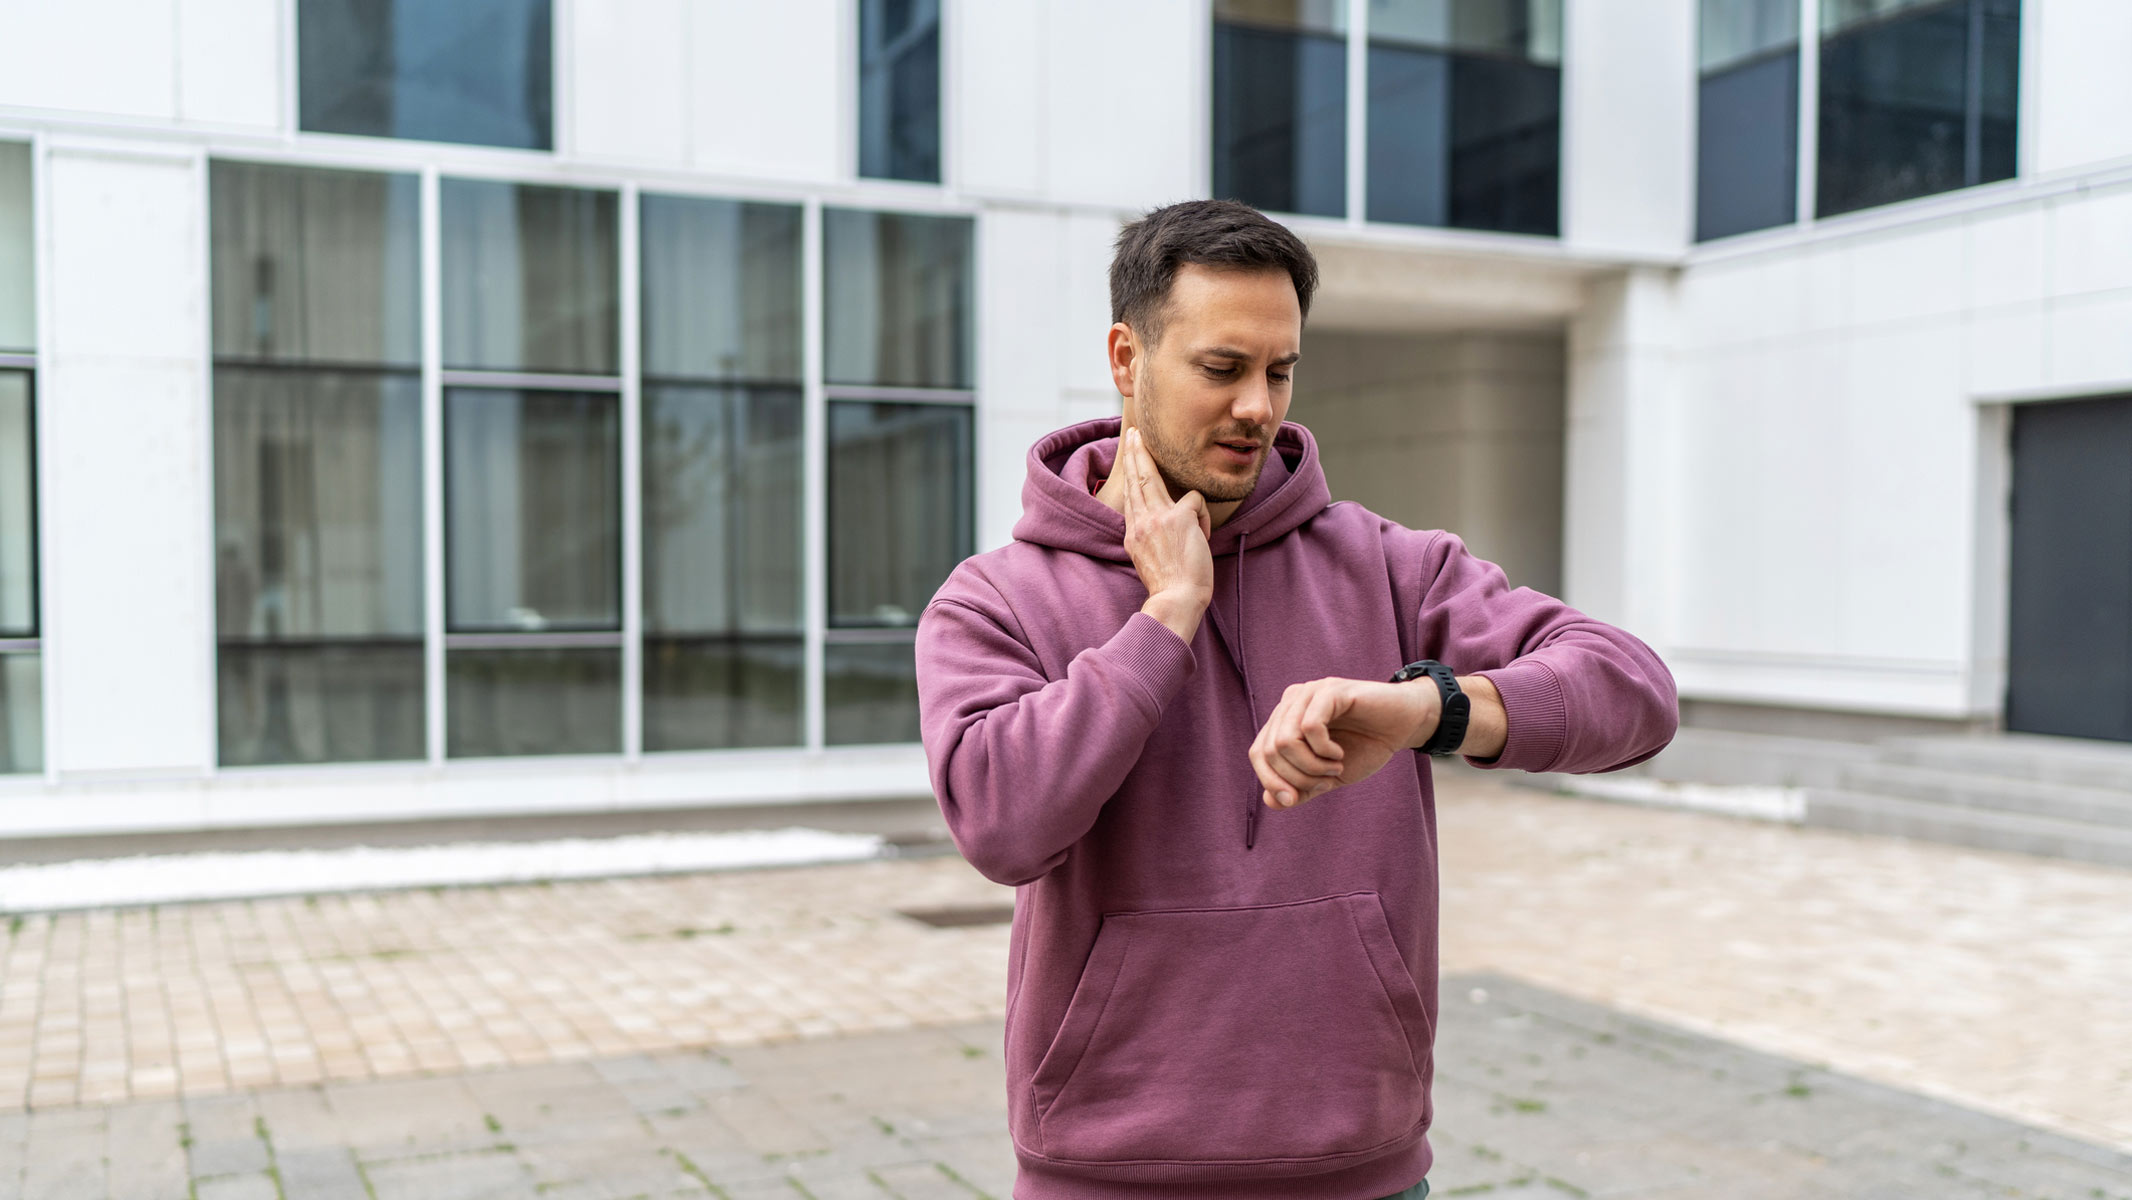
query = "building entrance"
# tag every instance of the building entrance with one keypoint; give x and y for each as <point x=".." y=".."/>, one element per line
<point x="2069" y="646"/>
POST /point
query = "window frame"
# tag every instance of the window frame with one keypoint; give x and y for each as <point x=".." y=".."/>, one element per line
<point x="432" y="163"/>
<point x="25" y="362"/>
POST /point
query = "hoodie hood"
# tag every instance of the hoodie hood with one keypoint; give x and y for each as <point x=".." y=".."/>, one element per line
<point x="1058" y="511"/>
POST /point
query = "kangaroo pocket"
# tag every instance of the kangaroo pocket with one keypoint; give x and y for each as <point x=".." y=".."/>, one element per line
<point x="1268" y="1035"/>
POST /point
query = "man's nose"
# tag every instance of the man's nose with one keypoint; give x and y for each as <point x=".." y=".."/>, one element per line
<point x="1254" y="403"/>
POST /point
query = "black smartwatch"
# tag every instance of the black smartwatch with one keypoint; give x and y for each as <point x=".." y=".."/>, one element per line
<point x="1451" y="726"/>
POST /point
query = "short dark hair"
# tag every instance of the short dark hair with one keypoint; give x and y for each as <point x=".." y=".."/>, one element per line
<point x="1209" y="233"/>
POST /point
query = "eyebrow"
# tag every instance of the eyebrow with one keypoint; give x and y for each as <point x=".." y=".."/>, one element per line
<point x="1233" y="352"/>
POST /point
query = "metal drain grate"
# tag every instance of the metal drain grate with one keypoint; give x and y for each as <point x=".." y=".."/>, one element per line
<point x="960" y="916"/>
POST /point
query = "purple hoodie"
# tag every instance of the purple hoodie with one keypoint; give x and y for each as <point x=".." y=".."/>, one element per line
<point x="1205" y="997"/>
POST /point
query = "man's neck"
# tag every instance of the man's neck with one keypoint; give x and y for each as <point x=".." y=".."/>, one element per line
<point x="1112" y="494"/>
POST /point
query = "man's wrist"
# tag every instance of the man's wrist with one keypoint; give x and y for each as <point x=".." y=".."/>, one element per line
<point x="1179" y="611"/>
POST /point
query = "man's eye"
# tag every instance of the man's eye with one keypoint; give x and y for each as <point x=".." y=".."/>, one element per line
<point x="1219" y="372"/>
<point x="1277" y="378"/>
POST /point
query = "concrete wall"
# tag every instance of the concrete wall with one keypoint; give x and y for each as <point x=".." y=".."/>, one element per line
<point x="1446" y="431"/>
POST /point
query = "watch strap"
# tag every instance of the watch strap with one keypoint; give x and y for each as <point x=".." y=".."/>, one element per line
<point x="1451" y="724"/>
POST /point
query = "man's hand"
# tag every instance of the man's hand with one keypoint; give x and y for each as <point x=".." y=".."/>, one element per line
<point x="1332" y="732"/>
<point x="1167" y="540"/>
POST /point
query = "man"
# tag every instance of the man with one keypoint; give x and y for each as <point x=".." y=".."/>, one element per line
<point x="1222" y="971"/>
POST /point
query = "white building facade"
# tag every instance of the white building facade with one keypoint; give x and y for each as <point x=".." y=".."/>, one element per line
<point x="516" y="406"/>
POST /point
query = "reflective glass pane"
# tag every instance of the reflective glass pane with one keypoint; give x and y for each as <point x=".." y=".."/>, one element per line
<point x="531" y="278"/>
<point x="899" y="89"/>
<point x="1918" y="100"/>
<point x="477" y="71"/>
<point x="532" y="510"/>
<point x="1466" y="140"/>
<point x="1530" y="29"/>
<point x="721" y="289"/>
<point x="1280" y="119"/>
<point x="721" y="692"/>
<point x="527" y="702"/>
<point x="318" y="504"/>
<point x="18" y="292"/>
<point x="901" y="507"/>
<point x="319" y="266"/>
<point x="1728" y="31"/>
<point x="722" y="544"/>
<point x="869" y="693"/>
<point x="21" y="713"/>
<point x="354" y="700"/>
<point x="1319" y="16"/>
<point x="1747" y="146"/>
<point x="897" y="297"/>
<point x="18" y="507"/>
<point x="1839" y="15"/>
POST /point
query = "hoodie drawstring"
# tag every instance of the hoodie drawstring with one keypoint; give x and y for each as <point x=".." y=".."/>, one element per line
<point x="1243" y="666"/>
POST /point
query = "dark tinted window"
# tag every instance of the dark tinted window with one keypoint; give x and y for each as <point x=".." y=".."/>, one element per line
<point x="899" y="89"/>
<point x="1280" y="118"/>
<point x="1917" y="100"/>
<point x="476" y="71"/>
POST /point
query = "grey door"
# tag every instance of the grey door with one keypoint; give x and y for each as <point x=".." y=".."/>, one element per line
<point x="2069" y="653"/>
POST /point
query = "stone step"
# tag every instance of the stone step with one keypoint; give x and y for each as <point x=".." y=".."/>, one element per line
<point x="1725" y="757"/>
<point x="1968" y="789"/>
<point x="1983" y="828"/>
<point x="2075" y="762"/>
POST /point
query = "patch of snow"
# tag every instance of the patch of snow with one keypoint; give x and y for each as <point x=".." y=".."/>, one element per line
<point x="167" y="878"/>
<point x="1785" y="804"/>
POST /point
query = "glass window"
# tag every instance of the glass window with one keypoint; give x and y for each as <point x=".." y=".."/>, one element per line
<point x="898" y="299"/>
<point x="900" y="518"/>
<point x="520" y="701"/>
<point x="724" y="618"/>
<point x="18" y="296"/>
<point x="318" y="465"/>
<point x="1280" y="109"/>
<point x="1915" y="98"/>
<point x="900" y="507"/>
<point x="721" y="289"/>
<point x="476" y="71"/>
<point x="21" y="684"/>
<point x="899" y="89"/>
<point x="1465" y="104"/>
<point x="531" y="278"/>
<point x="1747" y="133"/>
<point x="532" y="504"/>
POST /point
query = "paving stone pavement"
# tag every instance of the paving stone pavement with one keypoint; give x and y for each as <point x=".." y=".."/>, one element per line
<point x="1538" y="1095"/>
<point x="469" y="1042"/>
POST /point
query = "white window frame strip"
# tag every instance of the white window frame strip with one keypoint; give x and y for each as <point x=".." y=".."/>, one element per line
<point x="1358" y="97"/>
<point x="433" y="565"/>
<point x="632" y="384"/>
<point x="1809" y="139"/>
<point x="43" y="302"/>
<point x="814" y="459"/>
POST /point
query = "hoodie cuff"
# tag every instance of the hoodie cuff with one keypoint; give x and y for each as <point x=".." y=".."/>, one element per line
<point x="1536" y="713"/>
<point x="1153" y="657"/>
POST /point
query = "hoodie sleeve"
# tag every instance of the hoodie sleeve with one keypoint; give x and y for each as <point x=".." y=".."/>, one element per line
<point x="1022" y="764"/>
<point x="1582" y="696"/>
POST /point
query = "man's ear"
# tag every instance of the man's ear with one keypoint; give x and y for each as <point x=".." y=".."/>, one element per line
<point x="1123" y="351"/>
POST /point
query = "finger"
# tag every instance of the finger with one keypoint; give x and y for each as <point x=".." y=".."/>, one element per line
<point x="1275" y="790"/>
<point x="1152" y="495"/>
<point x="1316" y="724"/>
<point x="1198" y="505"/>
<point x="1287" y="726"/>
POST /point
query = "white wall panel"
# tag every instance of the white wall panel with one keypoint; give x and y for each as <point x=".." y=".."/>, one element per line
<point x="2082" y="88"/>
<point x="229" y="62"/>
<point x="2091" y="241"/>
<point x="2090" y="342"/>
<point x="1127" y="116"/>
<point x="1084" y="324"/>
<point x="767" y="87"/>
<point x="1000" y="63"/>
<point x="629" y="79"/>
<point x="126" y="419"/>
<point x="2006" y="257"/>
<point x="1902" y="274"/>
<point x="1628" y="148"/>
<point x="2003" y="350"/>
<point x="107" y="57"/>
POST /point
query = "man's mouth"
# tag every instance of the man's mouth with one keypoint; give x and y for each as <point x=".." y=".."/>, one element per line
<point x="1239" y="451"/>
